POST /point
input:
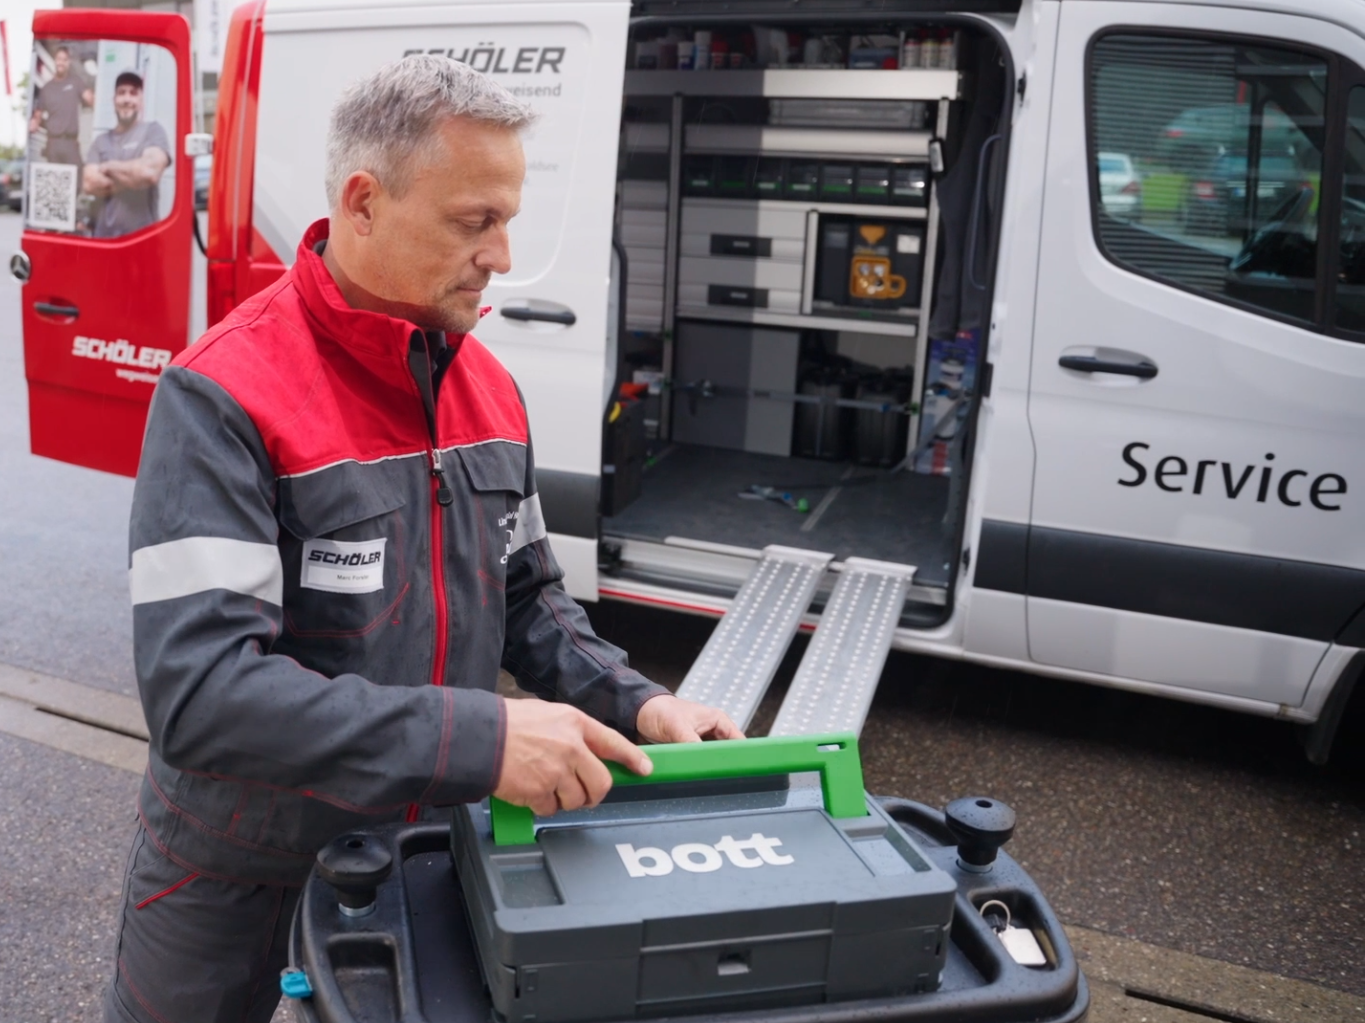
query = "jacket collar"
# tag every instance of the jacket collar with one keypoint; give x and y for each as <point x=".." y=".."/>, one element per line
<point x="356" y="328"/>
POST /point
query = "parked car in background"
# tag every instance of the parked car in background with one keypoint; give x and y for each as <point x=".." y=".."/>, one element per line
<point x="1209" y="146"/>
<point x="12" y="183"/>
<point x="1120" y="187"/>
<point x="203" y="171"/>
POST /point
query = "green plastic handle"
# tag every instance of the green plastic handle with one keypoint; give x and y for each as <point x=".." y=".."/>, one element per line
<point x="834" y="756"/>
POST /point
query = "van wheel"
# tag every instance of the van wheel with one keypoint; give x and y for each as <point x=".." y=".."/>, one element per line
<point x="1339" y="732"/>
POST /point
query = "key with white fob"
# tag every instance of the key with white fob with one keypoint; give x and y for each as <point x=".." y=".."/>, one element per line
<point x="1019" y="942"/>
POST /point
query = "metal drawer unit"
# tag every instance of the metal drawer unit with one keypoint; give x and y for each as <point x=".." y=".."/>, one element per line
<point x="740" y="254"/>
<point x="644" y="231"/>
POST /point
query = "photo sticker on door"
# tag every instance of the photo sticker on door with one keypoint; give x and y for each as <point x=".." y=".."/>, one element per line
<point x="100" y="118"/>
<point x="340" y="566"/>
<point x="870" y="274"/>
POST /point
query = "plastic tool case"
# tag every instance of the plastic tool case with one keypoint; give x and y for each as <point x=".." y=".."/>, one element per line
<point x="716" y="891"/>
<point x="734" y="903"/>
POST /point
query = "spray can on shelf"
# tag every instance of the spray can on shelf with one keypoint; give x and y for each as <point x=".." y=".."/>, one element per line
<point x="947" y="54"/>
<point x="929" y="50"/>
<point x="911" y="51"/>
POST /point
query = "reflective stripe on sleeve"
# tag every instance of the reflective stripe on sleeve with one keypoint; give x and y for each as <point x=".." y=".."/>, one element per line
<point x="530" y="524"/>
<point x="200" y="563"/>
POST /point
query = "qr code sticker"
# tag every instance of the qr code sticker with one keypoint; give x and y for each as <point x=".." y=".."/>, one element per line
<point x="52" y="196"/>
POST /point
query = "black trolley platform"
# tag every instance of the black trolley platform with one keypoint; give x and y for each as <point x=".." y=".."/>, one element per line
<point x="389" y="939"/>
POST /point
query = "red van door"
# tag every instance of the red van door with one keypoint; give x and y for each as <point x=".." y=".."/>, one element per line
<point x="107" y="229"/>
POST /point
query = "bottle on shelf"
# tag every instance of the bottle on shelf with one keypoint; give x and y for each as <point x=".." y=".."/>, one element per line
<point x="701" y="60"/>
<point x="720" y="55"/>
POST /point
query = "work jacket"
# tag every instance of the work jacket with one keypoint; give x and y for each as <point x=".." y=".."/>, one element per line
<point x="335" y="542"/>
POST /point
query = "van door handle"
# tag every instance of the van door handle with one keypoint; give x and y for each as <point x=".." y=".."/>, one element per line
<point x="1142" y="367"/>
<point x="51" y="309"/>
<point x="526" y="314"/>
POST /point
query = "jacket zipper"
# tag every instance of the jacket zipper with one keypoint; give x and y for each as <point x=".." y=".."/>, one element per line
<point x="441" y="497"/>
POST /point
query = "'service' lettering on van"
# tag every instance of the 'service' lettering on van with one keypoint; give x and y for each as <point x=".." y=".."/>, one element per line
<point x="492" y="59"/>
<point x="1293" y="488"/>
<point x="700" y="858"/>
<point x="143" y="364"/>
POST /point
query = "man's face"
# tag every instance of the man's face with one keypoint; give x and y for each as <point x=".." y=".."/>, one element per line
<point x="62" y="62"/>
<point x="127" y="105"/>
<point x="432" y="252"/>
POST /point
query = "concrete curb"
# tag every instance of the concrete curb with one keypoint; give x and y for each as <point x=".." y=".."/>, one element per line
<point x="112" y="712"/>
<point x="30" y="722"/>
<point x="1130" y="981"/>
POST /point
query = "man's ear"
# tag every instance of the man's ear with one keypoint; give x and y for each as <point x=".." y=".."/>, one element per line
<point x="359" y="195"/>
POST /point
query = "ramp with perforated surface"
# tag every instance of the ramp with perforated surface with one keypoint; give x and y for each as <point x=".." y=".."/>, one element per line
<point x="741" y="657"/>
<point x="833" y="687"/>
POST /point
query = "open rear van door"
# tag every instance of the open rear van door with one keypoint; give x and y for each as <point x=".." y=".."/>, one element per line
<point x="105" y="255"/>
<point x="549" y="320"/>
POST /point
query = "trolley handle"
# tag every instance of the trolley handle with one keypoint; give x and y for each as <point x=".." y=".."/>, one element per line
<point x="834" y="756"/>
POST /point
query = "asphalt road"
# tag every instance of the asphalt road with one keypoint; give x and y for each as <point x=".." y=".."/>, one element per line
<point x="1189" y="828"/>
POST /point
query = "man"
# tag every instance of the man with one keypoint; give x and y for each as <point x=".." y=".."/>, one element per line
<point x="336" y="508"/>
<point x="57" y="107"/>
<point x="125" y="164"/>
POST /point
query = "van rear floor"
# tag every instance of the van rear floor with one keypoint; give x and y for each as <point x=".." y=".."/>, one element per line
<point x="692" y="492"/>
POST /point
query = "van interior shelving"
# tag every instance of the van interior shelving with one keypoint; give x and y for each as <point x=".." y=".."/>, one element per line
<point x="796" y="356"/>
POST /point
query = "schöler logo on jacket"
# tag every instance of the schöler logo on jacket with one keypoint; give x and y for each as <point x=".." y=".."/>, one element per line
<point x="338" y="566"/>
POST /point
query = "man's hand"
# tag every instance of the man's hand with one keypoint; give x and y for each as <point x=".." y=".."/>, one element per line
<point x="95" y="181"/>
<point x="666" y="718"/>
<point x="553" y="758"/>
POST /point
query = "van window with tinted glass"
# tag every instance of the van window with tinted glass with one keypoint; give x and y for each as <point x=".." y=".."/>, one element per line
<point x="1207" y="165"/>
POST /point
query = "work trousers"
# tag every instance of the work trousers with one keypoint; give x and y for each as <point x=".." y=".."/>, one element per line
<point x="63" y="150"/>
<point x="193" y="949"/>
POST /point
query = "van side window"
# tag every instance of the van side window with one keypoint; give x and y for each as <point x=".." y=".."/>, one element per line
<point x="1350" y="311"/>
<point x="1207" y="165"/>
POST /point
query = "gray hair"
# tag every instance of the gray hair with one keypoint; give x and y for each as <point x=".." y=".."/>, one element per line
<point x="383" y="122"/>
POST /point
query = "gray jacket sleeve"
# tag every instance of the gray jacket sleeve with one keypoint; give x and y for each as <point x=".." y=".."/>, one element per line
<point x="207" y="587"/>
<point x="551" y="648"/>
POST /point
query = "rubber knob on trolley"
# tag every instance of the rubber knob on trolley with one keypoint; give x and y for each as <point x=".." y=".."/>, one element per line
<point x="355" y="865"/>
<point x="981" y="826"/>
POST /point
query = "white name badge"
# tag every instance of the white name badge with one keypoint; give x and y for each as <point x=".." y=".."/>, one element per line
<point x="340" y="566"/>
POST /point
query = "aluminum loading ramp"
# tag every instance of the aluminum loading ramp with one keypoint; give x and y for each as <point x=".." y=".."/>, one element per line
<point x="839" y="672"/>
<point x="739" y="660"/>
<point x="833" y="687"/>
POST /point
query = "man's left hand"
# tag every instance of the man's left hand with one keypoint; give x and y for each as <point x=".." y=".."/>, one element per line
<point x="666" y="718"/>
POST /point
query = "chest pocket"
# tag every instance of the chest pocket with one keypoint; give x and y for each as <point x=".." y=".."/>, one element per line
<point x="497" y="475"/>
<point x="346" y="551"/>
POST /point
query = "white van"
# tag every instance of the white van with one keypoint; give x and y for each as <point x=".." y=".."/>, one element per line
<point x="1041" y="320"/>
